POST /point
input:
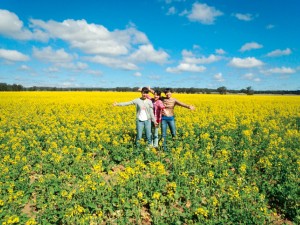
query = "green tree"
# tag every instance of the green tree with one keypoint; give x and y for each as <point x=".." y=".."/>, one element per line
<point x="222" y="90"/>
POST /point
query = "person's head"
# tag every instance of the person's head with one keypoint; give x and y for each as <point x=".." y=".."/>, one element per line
<point x="144" y="92"/>
<point x="157" y="94"/>
<point x="168" y="92"/>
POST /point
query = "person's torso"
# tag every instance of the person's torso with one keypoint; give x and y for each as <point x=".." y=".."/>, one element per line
<point x="169" y="104"/>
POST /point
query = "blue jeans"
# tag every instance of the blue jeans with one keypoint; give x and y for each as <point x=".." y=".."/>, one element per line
<point x="155" y="135"/>
<point x="172" y="127"/>
<point x="140" y="125"/>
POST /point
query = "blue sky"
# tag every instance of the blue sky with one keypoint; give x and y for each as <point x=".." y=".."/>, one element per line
<point x="174" y="43"/>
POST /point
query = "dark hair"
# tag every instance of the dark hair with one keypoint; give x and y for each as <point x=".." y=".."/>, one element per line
<point x="145" y="90"/>
<point x="158" y="92"/>
<point x="168" y="90"/>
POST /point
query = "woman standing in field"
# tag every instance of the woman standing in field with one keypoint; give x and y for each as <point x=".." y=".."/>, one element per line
<point x="158" y="108"/>
<point x="144" y="115"/>
<point x="168" y="117"/>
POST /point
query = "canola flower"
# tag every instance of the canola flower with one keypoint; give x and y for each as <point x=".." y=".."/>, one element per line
<point x="69" y="158"/>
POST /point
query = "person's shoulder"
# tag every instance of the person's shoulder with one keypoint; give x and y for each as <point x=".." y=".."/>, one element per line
<point x="149" y="100"/>
<point x="136" y="100"/>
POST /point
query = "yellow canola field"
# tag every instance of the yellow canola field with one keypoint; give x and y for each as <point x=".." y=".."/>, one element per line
<point x="69" y="158"/>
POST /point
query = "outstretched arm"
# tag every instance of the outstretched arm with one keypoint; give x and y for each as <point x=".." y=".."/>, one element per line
<point x="191" y="107"/>
<point x="124" y="103"/>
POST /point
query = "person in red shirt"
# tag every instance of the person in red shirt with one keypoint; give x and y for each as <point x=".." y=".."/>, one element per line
<point x="158" y="108"/>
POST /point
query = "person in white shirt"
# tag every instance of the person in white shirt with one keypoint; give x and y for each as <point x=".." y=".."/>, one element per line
<point x="144" y="115"/>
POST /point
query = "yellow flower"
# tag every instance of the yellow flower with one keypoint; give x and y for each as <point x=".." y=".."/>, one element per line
<point x="210" y="174"/>
<point x="11" y="220"/>
<point x="201" y="211"/>
<point x="31" y="221"/>
<point x="243" y="168"/>
<point x="156" y="195"/>
<point x="140" y="195"/>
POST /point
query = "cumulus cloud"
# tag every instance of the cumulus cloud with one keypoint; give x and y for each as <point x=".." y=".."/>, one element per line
<point x="47" y="54"/>
<point x="280" y="70"/>
<point x="190" y="62"/>
<point x="270" y="26"/>
<point x="171" y="11"/>
<point x="219" y="77"/>
<point x="203" y="13"/>
<point x="244" y="17"/>
<point x="251" y="76"/>
<point x="248" y="62"/>
<point x="186" y="67"/>
<point x="249" y="46"/>
<point x="279" y="52"/>
<point x="13" y="55"/>
<point x="11" y="26"/>
<point x="113" y="62"/>
<point x="59" y="57"/>
<point x="201" y="60"/>
<point x="137" y="74"/>
<point x="108" y="46"/>
<point x="220" y="51"/>
<point x="127" y="46"/>
<point x="52" y="69"/>
<point x="93" y="38"/>
<point x="24" y="68"/>
<point x="146" y="53"/>
<point x="90" y="38"/>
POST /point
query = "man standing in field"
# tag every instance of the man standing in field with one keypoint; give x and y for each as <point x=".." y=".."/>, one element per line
<point x="144" y="115"/>
<point x="168" y="117"/>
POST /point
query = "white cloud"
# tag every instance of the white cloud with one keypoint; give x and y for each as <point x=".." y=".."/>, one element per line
<point x="146" y="53"/>
<point x="78" y="66"/>
<point x="220" y="51"/>
<point x="186" y="67"/>
<point x="279" y="52"/>
<point x="251" y="76"/>
<point x="47" y="54"/>
<point x="12" y="26"/>
<point x="113" y="62"/>
<point x="281" y="70"/>
<point x="191" y="63"/>
<point x="201" y="60"/>
<point x="137" y="74"/>
<point x="52" y="70"/>
<point x="81" y="66"/>
<point x="90" y="38"/>
<point x="117" y="48"/>
<point x="187" y="53"/>
<point x="219" y="77"/>
<point x="203" y="13"/>
<point x="13" y="55"/>
<point x="248" y="62"/>
<point x="171" y="11"/>
<point x="244" y="17"/>
<point x="25" y="67"/>
<point x="93" y="38"/>
<point x="94" y="72"/>
<point x="270" y="26"/>
<point x="250" y="46"/>
<point x="184" y="13"/>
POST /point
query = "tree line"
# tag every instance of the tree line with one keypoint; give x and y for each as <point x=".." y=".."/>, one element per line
<point x="221" y="90"/>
